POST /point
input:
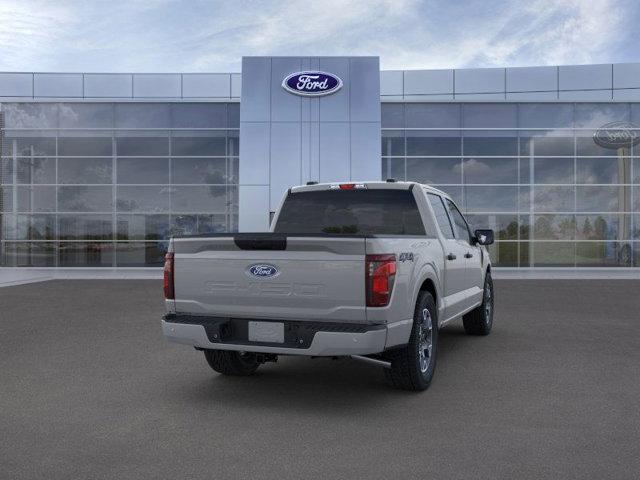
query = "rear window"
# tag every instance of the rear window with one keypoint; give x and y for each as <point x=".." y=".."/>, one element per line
<point x="351" y="212"/>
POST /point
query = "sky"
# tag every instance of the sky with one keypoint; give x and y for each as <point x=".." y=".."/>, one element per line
<point x="212" y="36"/>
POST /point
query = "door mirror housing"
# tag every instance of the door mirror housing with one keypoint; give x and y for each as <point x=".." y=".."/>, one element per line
<point x="483" y="237"/>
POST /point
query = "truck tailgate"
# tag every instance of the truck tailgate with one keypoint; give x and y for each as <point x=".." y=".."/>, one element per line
<point x="272" y="277"/>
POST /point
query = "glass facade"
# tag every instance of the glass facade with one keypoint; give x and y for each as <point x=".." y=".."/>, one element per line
<point x="531" y="171"/>
<point x="106" y="184"/>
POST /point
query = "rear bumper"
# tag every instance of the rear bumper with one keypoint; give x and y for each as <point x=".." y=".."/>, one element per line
<point x="301" y="338"/>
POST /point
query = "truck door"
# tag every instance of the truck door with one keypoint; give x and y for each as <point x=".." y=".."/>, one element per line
<point x="454" y="264"/>
<point x="473" y="267"/>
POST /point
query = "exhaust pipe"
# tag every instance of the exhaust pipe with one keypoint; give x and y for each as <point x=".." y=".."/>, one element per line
<point x="372" y="361"/>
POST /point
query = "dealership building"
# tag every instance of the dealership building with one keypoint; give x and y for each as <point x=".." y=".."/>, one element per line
<point x="100" y="169"/>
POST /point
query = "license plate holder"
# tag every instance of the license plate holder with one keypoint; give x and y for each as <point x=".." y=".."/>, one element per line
<point x="266" y="332"/>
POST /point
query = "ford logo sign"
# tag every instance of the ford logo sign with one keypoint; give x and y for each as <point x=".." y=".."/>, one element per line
<point x="263" y="270"/>
<point x="312" y="84"/>
<point x="617" y="135"/>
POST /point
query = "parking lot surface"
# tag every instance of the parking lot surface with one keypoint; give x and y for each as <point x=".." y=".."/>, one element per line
<point x="90" y="389"/>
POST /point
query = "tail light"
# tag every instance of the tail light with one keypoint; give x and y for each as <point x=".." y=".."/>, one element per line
<point x="380" y="276"/>
<point x="169" y="292"/>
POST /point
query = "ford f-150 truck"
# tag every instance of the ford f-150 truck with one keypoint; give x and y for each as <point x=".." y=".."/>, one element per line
<point x="367" y="270"/>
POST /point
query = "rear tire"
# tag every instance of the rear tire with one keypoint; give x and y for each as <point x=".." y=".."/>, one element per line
<point x="480" y="320"/>
<point x="412" y="367"/>
<point x="232" y="363"/>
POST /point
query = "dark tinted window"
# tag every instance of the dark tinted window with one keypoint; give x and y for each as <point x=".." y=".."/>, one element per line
<point x="364" y="212"/>
<point x="441" y="215"/>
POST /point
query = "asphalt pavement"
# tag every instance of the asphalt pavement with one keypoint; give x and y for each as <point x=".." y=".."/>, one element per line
<point x="89" y="389"/>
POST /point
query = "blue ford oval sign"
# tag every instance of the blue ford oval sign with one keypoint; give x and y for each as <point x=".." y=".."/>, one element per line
<point x="263" y="270"/>
<point x="312" y="83"/>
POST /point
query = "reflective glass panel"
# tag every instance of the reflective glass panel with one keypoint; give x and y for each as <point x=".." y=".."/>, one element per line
<point x="554" y="227"/>
<point x="86" y="115"/>
<point x="434" y="170"/>
<point x="603" y="198"/>
<point x="211" y="143"/>
<point x="553" y="199"/>
<point x="603" y="254"/>
<point x="81" y="254"/>
<point x="140" y="254"/>
<point x="143" y="227"/>
<point x="146" y="146"/>
<point x="142" y="170"/>
<point x="553" y="254"/>
<point x="199" y="199"/>
<point x="85" y="227"/>
<point x="152" y="199"/>
<point x="392" y="142"/>
<point x="37" y="199"/>
<point x="37" y="254"/>
<point x="432" y="115"/>
<point x="602" y="226"/>
<point x="553" y="170"/>
<point x="199" y="115"/>
<point x="392" y="115"/>
<point x="89" y="146"/>
<point x="199" y="170"/>
<point x="36" y="169"/>
<point x="490" y="170"/>
<point x="504" y="254"/>
<point x="603" y="170"/>
<point x="432" y="143"/>
<point x="505" y="227"/>
<point x="35" y="227"/>
<point x="85" y="170"/>
<point x="491" y="199"/>
<point x="393" y="168"/>
<point x="85" y="199"/>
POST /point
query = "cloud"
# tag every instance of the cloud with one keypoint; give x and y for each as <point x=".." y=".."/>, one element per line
<point x="168" y="35"/>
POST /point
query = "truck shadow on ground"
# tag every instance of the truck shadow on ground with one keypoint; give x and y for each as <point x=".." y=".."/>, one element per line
<point x="341" y="386"/>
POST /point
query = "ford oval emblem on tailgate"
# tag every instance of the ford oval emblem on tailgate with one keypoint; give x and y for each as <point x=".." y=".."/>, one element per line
<point x="263" y="270"/>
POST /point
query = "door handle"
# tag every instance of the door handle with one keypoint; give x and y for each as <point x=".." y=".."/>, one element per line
<point x="451" y="256"/>
<point x="468" y="255"/>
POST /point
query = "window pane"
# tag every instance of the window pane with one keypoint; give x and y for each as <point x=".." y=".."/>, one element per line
<point x="233" y="171"/>
<point x="603" y="170"/>
<point x="199" y="199"/>
<point x="504" y="226"/>
<point x="91" y="146"/>
<point x="30" y="115"/>
<point x="6" y="199"/>
<point x="545" y="115"/>
<point x="85" y="227"/>
<point x="603" y="227"/>
<point x="80" y="254"/>
<point x="142" y="146"/>
<point x="36" y="170"/>
<point x="598" y="114"/>
<point x="434" y="170"/>
<point x="41" y="254"/>
<point x="554" y="227"/>
<point x="603" y="254"/>
<point x="233" y="112"/>
<point x="393" y="168"/>
<point x="35" y="227"/>
<point x="490" y="115"/>
<point x="504" y="254"/>
<point x="490" y="144"/>
<point x="143" y="170"/>
<point x="29" y="146"/>
<point x="142" y="115"/>
<point x="6" y="170"/>
<point x="546" y="144"/>
<point x="603" y="199"/>
<point x="553" y="254"/>
<point x="636" y="171"/>
<point x="37" y="199"/>
<point x="86" y="115"/>
<point x="441" y="215"/>
<point x="553" y="170"/>
<point x="199" y="115"/>
<point x="233" y="143"/>
<point x="490" y="170"/>
<point x="85" y="170"/>
<point x="199" y="170"/>
<point x="85" y="199"/>
<point x="209" y="144"/>
<point x="198" y="224"/>
<point x="392" y="143"/>
<point x="491" y="199"/>
<point x="139" y="254"/>
<point x="392" y="115"/>
<point x="432" y="115"/>
<point x="553" y="199"/>
<point x="143" y="227"/>
<point x="431" y="143"/>
<point x="143" y="199"/>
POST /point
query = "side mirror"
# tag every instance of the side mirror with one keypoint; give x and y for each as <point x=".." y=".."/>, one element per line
<point x="484" y="237"/>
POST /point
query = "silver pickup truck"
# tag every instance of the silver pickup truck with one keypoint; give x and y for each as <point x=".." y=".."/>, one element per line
<point x="367" y="270"/>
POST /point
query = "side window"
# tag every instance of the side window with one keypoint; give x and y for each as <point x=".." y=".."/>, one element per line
<point x="441" y="215"/>
<point x="462" y="230"/>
